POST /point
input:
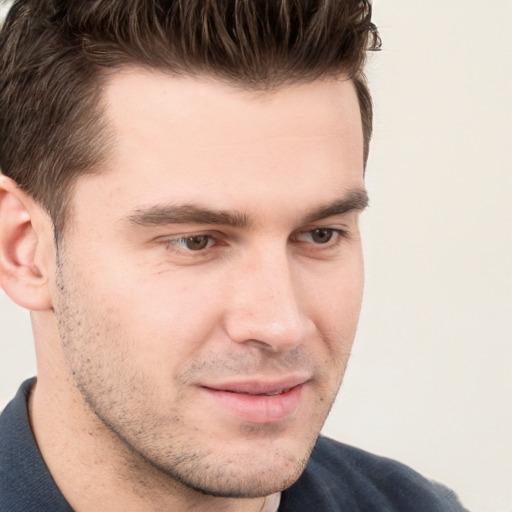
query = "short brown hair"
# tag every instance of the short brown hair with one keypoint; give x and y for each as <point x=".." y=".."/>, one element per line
<point x="54" y="55"/>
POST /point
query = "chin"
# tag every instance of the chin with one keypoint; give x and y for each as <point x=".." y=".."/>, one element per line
<point x="257" y="469"/>
<point x="246" y="482"/>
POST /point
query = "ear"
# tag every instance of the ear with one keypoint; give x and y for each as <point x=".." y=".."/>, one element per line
<point x="27" y="253"/>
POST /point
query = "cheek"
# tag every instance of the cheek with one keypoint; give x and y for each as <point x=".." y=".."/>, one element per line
<point x="336" y="307"/>
<point x="335" y="295"/>
<point x="170" y="318"/>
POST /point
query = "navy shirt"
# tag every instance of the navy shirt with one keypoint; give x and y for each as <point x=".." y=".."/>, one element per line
<point x="337" y="478"/>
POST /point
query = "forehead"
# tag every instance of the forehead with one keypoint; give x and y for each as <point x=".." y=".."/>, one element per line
<point x="191" y="140"/>
<point x="211" y="112"/>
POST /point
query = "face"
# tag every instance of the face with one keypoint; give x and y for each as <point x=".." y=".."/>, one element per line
<point x="209" y="288"/>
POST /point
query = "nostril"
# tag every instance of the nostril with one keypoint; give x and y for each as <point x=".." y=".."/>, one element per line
<point x="270" y="336"/>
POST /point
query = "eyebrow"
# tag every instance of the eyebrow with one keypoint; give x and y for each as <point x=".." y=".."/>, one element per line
<point x="187" y="214"/>
<point x="356" y="200"/>
<point x="161" y="215"/>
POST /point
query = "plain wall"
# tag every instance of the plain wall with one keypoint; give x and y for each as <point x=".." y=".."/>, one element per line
<point x="429" y="382"/>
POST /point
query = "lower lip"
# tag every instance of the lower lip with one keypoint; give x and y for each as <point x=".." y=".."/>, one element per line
<point x="259" y="409"/>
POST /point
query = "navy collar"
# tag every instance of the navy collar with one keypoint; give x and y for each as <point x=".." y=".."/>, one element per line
<point x="26" y="484"/>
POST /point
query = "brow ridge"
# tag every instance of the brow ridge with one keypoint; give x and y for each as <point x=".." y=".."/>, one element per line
<point x="356" y="200"/>
<point x="161" y="215"/>
<point x="187" y="214"/>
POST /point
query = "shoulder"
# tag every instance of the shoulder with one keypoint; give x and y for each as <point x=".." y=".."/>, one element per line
<point x="341" y="478"/>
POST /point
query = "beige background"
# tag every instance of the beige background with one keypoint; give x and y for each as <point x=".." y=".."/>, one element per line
<point x="430" y="379"/>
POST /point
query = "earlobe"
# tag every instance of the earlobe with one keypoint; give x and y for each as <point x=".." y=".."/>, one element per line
<point x="26" y="244"/>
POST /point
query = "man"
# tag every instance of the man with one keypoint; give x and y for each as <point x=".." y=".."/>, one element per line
<point x="179" y="212"/>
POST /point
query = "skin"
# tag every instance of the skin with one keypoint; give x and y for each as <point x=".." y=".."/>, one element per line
<point x="218" y="248"/>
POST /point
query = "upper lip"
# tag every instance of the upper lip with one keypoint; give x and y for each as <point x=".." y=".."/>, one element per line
<point x="260" y="386"/>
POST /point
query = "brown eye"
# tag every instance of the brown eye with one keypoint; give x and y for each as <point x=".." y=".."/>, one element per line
<point x="321" y="235"/>
<point x="196" y="243"/>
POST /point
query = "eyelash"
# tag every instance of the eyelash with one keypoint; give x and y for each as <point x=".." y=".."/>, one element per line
<point x="338" y="234"/>
<point x="212" y="241"/>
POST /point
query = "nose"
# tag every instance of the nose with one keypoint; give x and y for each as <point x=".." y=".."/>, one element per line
<point x="266" y="307"/>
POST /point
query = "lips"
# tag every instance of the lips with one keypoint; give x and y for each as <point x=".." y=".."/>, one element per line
<point x="260" y="386"/>
<point x="270" y="393"/>
<point x="259" y="401"/>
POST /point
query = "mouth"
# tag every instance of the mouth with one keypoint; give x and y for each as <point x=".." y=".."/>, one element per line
<point x="270" y="393"/>
<point x="259" y="402"/>
<point x="261" y="386"/>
